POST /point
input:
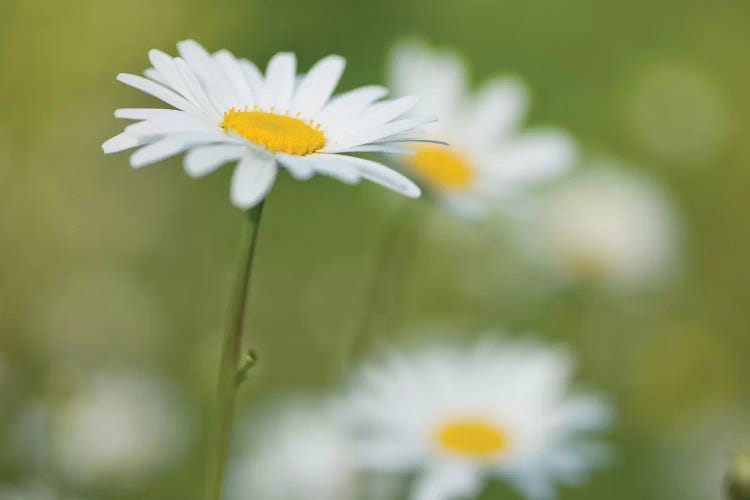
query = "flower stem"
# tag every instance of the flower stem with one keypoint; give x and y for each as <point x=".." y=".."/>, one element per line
<point x="230" y="358"/>
<point x="382" y="298"/>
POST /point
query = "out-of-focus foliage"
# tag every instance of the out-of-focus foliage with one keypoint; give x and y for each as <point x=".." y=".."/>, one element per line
<point x="104" y="269"/>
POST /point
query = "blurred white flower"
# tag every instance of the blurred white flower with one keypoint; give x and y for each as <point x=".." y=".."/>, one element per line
<point x="489" y="157"/>
<point x="295" y="451"/>
<point x="118" y="428"/>
<point x="610" y="227"/>
<point x="459" y="414"/>
<point x="227" y="111"/>
<point x="35" y="491"/>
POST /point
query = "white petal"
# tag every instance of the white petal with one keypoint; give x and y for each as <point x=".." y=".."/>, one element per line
<point x="349" y="104"/>
<point x="300" y="167"/>
<point x="121" y="142"/>
<point x="534" y="485"/>
<point x="438" y="76"/>
<point x="406" y="138"/>
<point x="205" y="159"/>
<point x="148" y="113"/>
<point x="448" y="481"/>
<point x="162" y="126"/>
<point x="160" y="92"/>
<point x="378" y="173"/>
<point x="464" y="204"/>
<point x="377" y="148"/>
<point x="170" y="146"/>
<point x="165" y="66"/>
<point x="157" y="151"/>
<point x="196" y="56"/>
<point x="254" y="77"/>
<point x="317" y="85"/>
<point x="337" y="167"/>
<point x="583" y="412"/>
<point x="383" y="112"/>
<point x="280" y="78"/>
<point x="154" y="75"/>
<point x="252" y="180"/>
<point x="345" y="140"/>
<point x="202" y="65"/>
<point x="535" y="156"/>
<point x="233" y="71"/>
<point x="498" y="109"/>
<point x="387" y="454"/>
<point x="197" y="91"/>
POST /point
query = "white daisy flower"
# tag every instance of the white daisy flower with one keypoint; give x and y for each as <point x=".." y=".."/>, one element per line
<point x="489" y="156"/>
<point x="118" y="427"/>
<point x="610" y="227"/>
<point x="227" y="111"/>
<point x="459" y="414"/>
<point x="295" y="451"/>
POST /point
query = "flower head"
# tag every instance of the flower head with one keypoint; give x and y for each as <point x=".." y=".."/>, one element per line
<point x="610" y="227"/>
<point x="118" y="427"/>
<point x="489" y="156"/>
<point x="227" y="111"/>
<point x="296" y="451"/>
<point x="457" y="414"/>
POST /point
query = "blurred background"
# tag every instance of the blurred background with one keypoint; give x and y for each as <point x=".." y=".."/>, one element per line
<point x="114" y="283"/>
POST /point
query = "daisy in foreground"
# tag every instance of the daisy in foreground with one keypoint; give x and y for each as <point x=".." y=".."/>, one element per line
<point x="227" y="111"/>
<point x="489" y="156"/>
<point x="458" y="414"/>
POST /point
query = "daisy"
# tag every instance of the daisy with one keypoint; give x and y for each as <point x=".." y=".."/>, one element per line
<point x="459" y="414"/>
<point x="294" y="451"/>
<point x="608" y="227"/>
<point x="118" y="427"/>
<point x="489" y="156"/>
<point x="227" y="111"/>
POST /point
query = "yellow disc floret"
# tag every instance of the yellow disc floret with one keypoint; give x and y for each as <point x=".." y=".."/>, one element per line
<point x="443" y="167"/>
<point x="277" y="133"/>
<point x="471" y="437"/>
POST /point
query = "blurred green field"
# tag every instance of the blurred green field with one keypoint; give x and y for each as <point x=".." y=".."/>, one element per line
<point x="108" y="269"/>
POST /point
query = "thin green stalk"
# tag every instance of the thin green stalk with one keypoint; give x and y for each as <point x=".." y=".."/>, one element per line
<point x="383" y="287"/>
<point x="229" y="371"/>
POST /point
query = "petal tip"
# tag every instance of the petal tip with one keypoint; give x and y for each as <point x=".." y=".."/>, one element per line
<point x="413" y="191"/>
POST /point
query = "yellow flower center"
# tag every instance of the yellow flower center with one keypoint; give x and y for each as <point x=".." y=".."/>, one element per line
<point x="473" y="437"/>
<point x="588" y="267"/>
<point x="277" y="133"/>
<point x="443" y="167"/>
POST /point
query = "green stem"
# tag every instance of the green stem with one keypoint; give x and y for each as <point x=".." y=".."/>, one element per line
<point x="382" y="286"/>
<point x="230" y="358"/>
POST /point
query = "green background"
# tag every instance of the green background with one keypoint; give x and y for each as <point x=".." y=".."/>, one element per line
<point x="102" y="267"/>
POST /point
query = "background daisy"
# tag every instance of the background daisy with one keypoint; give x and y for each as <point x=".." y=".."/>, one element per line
<point x="459" y="414"/>
<point x="489" y="155"/>
<point x="227" y="111"/>
<point x="122" y="428"/>
<point x="293" y="451"/>
<point x="607" y="226"/>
